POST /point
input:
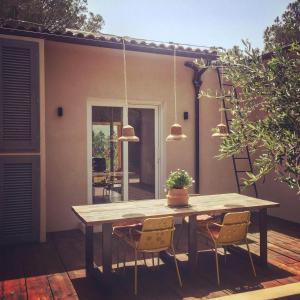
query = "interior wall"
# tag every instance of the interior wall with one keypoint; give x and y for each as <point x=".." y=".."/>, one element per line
<point x="76" y="73"/>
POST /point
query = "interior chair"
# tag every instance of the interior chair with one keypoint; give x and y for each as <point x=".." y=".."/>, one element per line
<point x="101" y="180"/>
<point x="232" y="231"/>
<point x="99" y="164"/>
<point x="155" y="235"/>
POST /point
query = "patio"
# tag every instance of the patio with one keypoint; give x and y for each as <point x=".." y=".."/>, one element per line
<point x="55" y="270"/>
<point x="92" y="123"/>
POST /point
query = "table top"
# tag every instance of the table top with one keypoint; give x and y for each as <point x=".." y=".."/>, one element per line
<point x="112" y="212"/>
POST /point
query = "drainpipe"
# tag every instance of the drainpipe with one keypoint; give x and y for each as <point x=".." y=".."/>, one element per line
<point x="197" y="82"/>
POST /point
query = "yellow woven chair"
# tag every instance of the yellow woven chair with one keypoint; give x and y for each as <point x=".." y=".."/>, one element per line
<point x="155" y="236"/>
<point x="232" y="231"/>
<point x="202" y="220"/>
<point x="120" y="230"/>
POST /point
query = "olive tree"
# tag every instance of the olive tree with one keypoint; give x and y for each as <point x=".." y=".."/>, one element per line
<point x="266" y="112"/>
<point x="52" y="14"/>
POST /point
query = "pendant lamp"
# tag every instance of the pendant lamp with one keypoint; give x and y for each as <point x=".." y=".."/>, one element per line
<point x="221" y="128"/>
<point x="128" y="134"/>
<point x="176" y="129"/>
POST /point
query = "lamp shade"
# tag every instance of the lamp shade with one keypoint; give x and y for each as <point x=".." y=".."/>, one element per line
<point x="222" y="131"/>
<point x="128" y="134"/>
<point x="176" y="133"/>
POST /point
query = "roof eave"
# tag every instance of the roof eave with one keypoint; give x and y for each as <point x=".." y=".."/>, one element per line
<point x="65" y="38"/>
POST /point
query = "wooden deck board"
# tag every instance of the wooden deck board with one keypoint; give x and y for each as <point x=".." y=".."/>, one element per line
<point x="62" y="287"/>
<point x="14" y="289"/>
<point x="55" y="270"/>
<point x="38" y="288"/>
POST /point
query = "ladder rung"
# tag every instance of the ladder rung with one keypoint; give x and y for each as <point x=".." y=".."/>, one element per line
<point x="240" y="157"/>
<point x="227" y="84"/>
<point x="229" y="120"/>
<point x="243" y="171"/>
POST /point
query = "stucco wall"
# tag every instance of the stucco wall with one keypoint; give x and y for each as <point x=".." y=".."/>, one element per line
<point x="75" y="73"/>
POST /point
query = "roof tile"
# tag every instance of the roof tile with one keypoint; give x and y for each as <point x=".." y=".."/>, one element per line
<point x="24" y="27"/>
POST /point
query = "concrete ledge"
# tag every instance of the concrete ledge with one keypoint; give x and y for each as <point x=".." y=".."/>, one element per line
<point x="277" y="292"/>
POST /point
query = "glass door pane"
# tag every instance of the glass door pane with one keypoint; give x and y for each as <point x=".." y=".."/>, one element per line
<point x="141" y="156"/>
<point x="107" y="154"/>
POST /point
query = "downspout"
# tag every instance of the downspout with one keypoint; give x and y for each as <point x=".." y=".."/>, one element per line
<point x="197" y="82"/>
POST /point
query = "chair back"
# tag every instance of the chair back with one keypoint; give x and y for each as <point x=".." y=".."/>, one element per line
<point x="156" y="234"/>
<point x="99" y="164"/>
<point x="234" y="228"/>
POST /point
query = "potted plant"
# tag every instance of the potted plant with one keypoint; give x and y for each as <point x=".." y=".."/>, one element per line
<point x="177" y="184"/>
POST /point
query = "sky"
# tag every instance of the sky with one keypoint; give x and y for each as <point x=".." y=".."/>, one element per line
<point x="219" y="23"/>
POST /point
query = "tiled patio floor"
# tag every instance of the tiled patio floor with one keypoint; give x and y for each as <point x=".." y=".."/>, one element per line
<point x="55" y="270"/>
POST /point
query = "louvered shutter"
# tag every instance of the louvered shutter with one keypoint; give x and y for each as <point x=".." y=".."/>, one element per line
<point x="19" y="91"/>
<point x="19" y="199"/>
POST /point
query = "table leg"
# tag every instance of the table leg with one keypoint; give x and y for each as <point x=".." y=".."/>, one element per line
<point x="107" y="252"/>
<point x="192" y="244"/>
<point x="89" y="250"/>
<point x="263" y="230"/>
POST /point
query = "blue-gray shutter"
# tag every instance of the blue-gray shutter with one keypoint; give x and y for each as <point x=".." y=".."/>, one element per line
<point x="19" y="199"/>
<point x="19" y="96"/>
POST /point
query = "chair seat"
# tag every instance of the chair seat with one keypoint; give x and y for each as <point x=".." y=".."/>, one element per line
<point x="122" y="229"/>
<point x="128" y="234"/>
<point x="214" y="230"/>
<point x="202" y="220"/>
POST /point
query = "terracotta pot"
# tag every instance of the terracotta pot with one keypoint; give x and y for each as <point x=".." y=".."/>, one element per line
<point x="178" y="197"/>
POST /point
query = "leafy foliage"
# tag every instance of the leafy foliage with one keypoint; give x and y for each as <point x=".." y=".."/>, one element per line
<point x="52" y="14"/>
<point x="266" y="113"/>
<point x="102" y="147"/>
<point x="286" y="29"/>
<point x="179" y="179"/>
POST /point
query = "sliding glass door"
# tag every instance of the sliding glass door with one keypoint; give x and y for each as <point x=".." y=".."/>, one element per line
<point x="123" y="171"/>
<point x="107" y="166"/>
<point x="141" y="156"/>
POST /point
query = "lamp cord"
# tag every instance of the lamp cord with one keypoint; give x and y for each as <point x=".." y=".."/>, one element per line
<point x="222" y="94"/>
<point x="174" y="84"/>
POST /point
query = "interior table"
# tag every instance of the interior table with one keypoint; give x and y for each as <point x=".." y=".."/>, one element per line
<point x="107" y="214"/>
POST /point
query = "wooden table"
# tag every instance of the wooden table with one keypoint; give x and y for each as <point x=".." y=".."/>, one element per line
<point x="107" y="214"/>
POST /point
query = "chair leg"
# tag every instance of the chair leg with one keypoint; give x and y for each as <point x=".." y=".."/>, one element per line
<point x="250" y="257"/>
<point x="135" y="273"/>
<point x="217" y="264"/>
<point x="118" y="252"/>
<point x="181" y="229"/>
<point x="124" y="258"/>
<point x="153" y="264"/>
<point x="225" y="254"/>
<point x="144" y="257"/>
<point x="176" y="265"/>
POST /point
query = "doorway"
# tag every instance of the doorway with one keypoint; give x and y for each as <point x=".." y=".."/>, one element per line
<point x="122" y="171"/>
